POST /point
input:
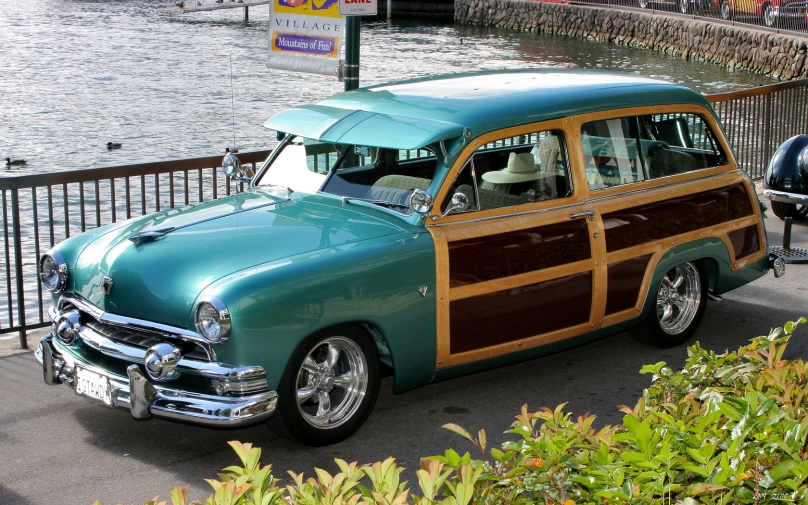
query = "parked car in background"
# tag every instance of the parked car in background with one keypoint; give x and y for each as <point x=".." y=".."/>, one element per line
<point x="432" y="227"/>
<point x="770" y="12"/>
<point x="786" y="179"/>
<point x="682" y="6"/>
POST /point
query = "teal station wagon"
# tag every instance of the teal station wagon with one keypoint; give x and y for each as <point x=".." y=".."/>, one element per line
<point x="433" y="227"/>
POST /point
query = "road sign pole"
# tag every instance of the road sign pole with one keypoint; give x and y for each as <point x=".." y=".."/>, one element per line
<point x="351" y="52"/>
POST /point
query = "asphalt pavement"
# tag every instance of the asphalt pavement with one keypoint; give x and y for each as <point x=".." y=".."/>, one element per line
<point x="56" y="447"/>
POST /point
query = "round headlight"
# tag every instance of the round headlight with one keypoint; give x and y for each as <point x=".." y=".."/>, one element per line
<point x="53" y="272"/>
<point x="212" y="320"/>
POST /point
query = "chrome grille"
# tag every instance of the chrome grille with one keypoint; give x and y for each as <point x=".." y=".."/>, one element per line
<point x="140" y="339"/>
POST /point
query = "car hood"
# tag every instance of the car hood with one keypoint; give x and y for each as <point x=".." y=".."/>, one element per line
<point x="158" y="278"/>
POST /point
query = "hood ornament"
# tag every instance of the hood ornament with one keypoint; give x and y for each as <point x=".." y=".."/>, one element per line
<point x="106" y="285"/>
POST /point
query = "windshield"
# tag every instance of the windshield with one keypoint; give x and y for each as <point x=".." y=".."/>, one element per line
<point x="385" y="177"/>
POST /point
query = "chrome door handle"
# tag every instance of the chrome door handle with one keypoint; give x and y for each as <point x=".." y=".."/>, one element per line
<point x="590" y="214"/>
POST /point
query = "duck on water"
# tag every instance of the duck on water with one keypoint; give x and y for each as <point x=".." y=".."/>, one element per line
<point x="15" y="163"/>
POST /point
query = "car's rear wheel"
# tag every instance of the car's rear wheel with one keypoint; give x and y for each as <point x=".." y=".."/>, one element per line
<point x="680" y="304"/>
<point x="329" y="387"/>
<point x="724" y="10"/>
<point x="792" y="210"/>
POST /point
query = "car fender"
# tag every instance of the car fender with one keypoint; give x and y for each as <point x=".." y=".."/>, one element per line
<point x="376" y="282"/>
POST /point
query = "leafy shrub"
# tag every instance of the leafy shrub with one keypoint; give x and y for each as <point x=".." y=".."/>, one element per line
<point x="728" y="428"/>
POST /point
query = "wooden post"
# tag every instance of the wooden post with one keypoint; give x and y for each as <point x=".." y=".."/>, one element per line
<point x="246" y="15"/>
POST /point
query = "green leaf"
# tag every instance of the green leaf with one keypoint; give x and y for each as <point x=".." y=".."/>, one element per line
<point x="729" y="411"/>
<point x="459" y="430"/>
<point x="179" y="495"/>
<point x="698" y="470"/>
<point x="782" y="469"/>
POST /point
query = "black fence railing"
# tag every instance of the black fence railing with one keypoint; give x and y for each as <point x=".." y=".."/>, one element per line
<point x="40" y="211"/>
<point x="777" y="15"/>
<point x="758" y="120"/>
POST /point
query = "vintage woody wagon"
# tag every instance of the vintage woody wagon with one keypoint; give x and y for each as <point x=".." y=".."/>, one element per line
<point x="431" y="227"/>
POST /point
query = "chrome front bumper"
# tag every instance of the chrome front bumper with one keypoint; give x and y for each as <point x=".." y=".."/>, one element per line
<point x="145" y="399"/>
<point x="782" y="196"/>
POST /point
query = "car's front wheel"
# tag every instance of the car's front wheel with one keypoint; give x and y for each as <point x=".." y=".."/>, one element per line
<point x="328" y="388"/>
<point x="784" y="210"/>
<point x="680" y="305"/>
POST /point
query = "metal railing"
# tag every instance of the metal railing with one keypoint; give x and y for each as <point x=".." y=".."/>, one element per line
<point x="758" y="120"/>
<point x="780" y="16"/>
<point x="41" y="210"/>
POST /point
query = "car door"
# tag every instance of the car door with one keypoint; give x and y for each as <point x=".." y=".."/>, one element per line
<point x="661" y="177"/>
<point x="517" y="268"/>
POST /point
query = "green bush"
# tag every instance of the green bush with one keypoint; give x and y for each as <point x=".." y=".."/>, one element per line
<point x="728" y="428"/>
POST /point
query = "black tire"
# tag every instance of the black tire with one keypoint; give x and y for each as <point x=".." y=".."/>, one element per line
<point x="662" y="331"/>
<point x="724" y="11"/>
<point x="792" y="210"/>
<point x="303" y="422"/>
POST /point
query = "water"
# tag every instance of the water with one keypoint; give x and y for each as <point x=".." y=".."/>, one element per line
<point x="79" y="74"/>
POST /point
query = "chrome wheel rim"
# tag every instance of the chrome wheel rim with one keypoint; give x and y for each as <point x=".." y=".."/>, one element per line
<point x="331" y="382"/>
<point x="678" y="298"/>
<point x="768" y="15"/>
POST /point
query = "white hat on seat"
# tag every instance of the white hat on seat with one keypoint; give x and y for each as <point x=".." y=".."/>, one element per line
<point x="520" y="169"/>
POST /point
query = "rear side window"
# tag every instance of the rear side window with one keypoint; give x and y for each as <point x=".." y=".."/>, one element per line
<point x="632" y="149"/>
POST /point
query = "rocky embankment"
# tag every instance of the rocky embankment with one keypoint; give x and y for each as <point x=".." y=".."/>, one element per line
<point x="778" y="55"/>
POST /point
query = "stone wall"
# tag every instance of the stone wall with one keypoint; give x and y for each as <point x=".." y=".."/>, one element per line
<point x="778" y="55"/>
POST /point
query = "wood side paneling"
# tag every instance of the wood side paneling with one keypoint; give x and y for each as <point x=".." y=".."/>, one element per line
<point x="745" y="241"/>
<point x="624" y="281"/>
<point x="518" y="313"/>
<point x="639" y="225"/>
<point x="495" y="256"/>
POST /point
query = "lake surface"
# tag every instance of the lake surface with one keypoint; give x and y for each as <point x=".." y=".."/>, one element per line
<point x="77" y="75"/>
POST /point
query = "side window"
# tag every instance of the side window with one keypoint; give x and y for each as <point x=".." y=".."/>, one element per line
<point x="686" y="143"/>
<point x="514" y="171"/>
<point x="612" y="150"/>
<point x="632" y="149"/>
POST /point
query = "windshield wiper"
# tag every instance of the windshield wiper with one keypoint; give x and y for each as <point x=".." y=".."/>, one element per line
<point x="349" y="199"/>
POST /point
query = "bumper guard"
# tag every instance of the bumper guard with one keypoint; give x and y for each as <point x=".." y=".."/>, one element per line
<point x="146" y="400"/>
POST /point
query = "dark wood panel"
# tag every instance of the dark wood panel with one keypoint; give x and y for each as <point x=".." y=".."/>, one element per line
<point x="625" y="279"/>
<point x="647" y="223"/>
<point x="516" y="252"/>
<point x="745" y="241"/>
<point x="514" y="314"/>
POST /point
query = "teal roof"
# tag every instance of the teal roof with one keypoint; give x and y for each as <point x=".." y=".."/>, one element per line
<point x="414" y="113"/>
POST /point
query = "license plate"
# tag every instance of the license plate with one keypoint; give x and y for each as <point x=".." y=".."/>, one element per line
<point x="92" y="384"/>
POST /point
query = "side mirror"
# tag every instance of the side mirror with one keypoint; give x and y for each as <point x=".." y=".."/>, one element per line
<point x="421" y="202"/>
<point x="460" y="202"/>
<point x="232" y="167"/>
